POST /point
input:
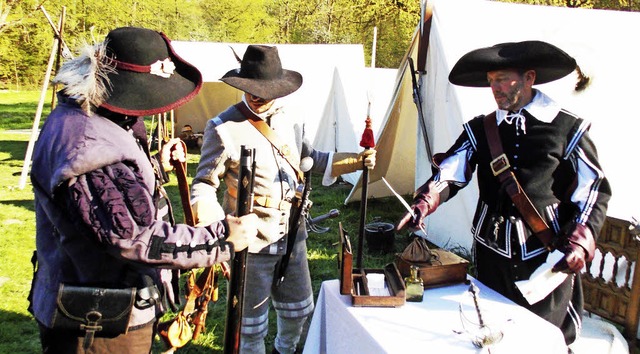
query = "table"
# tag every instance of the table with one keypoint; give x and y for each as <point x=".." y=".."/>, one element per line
<point x="431" y="326"/>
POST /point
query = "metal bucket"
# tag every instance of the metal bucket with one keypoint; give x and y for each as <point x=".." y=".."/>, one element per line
<point x="379" y="236"/>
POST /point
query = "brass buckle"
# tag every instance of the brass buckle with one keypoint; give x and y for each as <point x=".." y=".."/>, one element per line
<point x="499" y="164"/>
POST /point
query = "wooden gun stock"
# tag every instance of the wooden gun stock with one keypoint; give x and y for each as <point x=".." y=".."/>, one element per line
<point x="235" y="295"/>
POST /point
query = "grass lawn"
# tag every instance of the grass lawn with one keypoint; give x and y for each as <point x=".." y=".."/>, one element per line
<point x="19" y="332"/>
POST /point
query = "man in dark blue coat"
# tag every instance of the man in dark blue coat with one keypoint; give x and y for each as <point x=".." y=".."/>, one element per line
<point x="554" y="161"/>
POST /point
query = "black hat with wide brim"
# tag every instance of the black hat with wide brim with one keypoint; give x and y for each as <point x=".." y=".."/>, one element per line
<point x="550" y="62"/>
<point x="149" y="77"/>
<point x="261" y="74"/>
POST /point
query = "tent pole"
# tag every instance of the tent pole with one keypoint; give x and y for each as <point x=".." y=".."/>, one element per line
<point x="373" y="46"/>
<point x="60" y="52"/>
<point x="36" y="121"/>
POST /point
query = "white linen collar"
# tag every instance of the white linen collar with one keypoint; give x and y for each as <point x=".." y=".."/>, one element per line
<point x="542" y="107"/>
<point x="275" y="108"/>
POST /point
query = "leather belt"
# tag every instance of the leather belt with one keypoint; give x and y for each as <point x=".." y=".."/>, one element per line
<point x="264" y="201"/>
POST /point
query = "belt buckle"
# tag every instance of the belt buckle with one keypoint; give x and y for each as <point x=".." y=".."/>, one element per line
<point x="499" y="164"/>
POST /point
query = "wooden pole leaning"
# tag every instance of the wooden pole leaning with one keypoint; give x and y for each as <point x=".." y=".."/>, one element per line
<point x="26" y="166"/>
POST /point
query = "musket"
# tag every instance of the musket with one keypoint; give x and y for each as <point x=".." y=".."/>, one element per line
<point x="417" y="99"/>
<point x="300" y="206"/>
<point x="235" y="293"/>
<point x="311" y="223"/>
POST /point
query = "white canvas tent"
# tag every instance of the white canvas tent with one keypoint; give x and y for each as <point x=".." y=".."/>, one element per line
<point x="354" y="95"/>
<point x="397" y="139"/>
<point x="598" y="40"/>
<point x="324" y="67"/>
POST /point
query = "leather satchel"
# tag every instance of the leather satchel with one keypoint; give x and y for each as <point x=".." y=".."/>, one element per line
<point x="94" y="311"/>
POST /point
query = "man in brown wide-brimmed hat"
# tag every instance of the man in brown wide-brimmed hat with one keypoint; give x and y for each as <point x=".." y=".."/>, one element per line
<point x="540" y="183"/>
<point x="279" y="163"/>
<point x="105" y="235"/>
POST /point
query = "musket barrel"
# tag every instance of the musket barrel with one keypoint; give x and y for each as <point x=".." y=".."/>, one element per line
<point x="235" y="297"/>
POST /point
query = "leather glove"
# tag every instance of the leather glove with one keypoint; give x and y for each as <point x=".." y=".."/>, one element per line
<point x="243" y="230"/>
<point x="425" y="203"/>
<point x="347" y="162"/>
<point x="579" y="247"/>
<point x="206" y="212"/>
<point x="173" y="149"/>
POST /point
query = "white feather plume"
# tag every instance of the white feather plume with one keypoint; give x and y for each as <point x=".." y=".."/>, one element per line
<point x="85" y="76"/>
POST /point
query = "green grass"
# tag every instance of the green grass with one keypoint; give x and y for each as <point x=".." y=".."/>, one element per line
<point x="19" y="333"/>
<point x="18" y="108"/>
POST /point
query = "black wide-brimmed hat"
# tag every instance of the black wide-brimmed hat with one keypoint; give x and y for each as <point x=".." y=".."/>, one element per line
<point x="549" y="62"/>
<point x="149" y="77"/>
<point x="261" y="74"/>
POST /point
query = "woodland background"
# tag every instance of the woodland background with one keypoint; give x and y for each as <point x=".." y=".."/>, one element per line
<point x="26" y="40"/>
<point x="26" y="37"/>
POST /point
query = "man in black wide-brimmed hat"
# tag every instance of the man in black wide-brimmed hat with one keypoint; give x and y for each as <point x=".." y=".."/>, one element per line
<point x="105" y="236"/>
<point x="540" y="183"/>
<point x="282" y="154"/>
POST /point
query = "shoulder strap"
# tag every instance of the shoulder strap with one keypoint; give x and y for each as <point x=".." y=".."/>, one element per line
<point x="502" y="170"/>
<point x="270" y="135"/>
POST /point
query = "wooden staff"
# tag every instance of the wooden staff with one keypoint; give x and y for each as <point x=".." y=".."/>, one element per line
<point x="367" y="142"/>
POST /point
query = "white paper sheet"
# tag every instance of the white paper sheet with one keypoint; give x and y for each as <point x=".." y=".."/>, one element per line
<point x="543" y="281"/>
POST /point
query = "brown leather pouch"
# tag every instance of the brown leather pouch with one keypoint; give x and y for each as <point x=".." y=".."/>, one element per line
<point x="94" y="311"/>
<point x="176" y="332"/>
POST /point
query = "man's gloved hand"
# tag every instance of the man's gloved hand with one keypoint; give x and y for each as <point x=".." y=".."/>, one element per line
<point x="243" y="230"/>
<point x="424" y="204"/>
<point x="206" y="212"/>
<point x="173" y="149"/>
<point x="579" y="247"/>
<point x="347" y="162"/>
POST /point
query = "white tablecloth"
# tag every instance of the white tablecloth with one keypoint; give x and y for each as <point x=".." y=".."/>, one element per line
<point x="431" y="326"/>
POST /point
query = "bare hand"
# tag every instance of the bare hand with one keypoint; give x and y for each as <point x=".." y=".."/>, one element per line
<point x="243" y="230"/>
<point x="172" y="150"/>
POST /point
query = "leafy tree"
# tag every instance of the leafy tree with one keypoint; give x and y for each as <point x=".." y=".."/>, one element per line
<point x="560" y="3"/>
<point x="26" y="37"/>
<point x="349" y="21"/>
<point x="24" y="46"/>
<point x="237" y="21"/>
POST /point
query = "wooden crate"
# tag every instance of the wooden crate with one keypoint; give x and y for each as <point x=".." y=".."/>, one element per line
<point x="354" y="282"/>
<point x="445" y="268"/>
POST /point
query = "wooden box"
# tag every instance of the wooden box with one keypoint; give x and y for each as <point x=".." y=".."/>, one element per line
<point x="354" y="282"/>
<point x="445" y="268"/>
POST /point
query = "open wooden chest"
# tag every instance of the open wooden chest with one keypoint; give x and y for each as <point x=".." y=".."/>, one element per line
<point x="368" y="287"/>
<point x="444" y="268"/>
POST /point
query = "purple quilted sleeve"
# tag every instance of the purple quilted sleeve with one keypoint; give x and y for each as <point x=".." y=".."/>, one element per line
<point x="116" y="208"/>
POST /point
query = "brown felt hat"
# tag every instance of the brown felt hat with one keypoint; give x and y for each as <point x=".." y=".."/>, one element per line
<point x="149" y="77"/>
<point x="261" y="74"/>
<point x="550" y="62"/>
